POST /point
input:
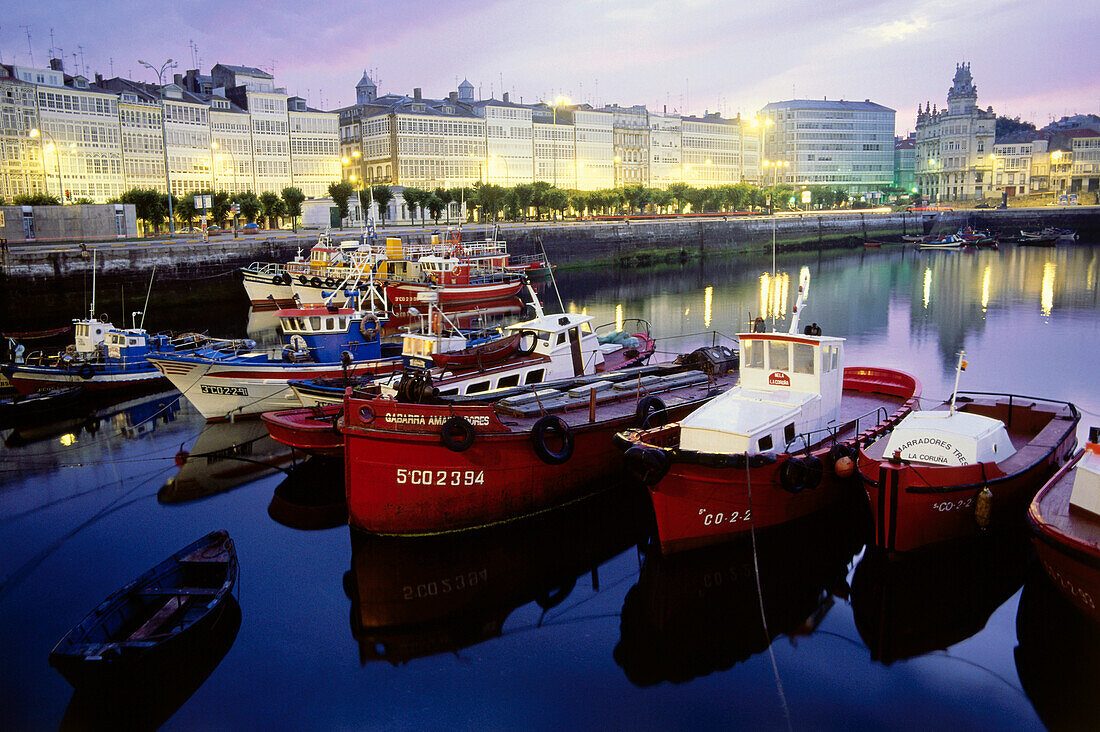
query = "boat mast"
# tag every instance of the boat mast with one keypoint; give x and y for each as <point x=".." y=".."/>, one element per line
<point x="803" y="291"/>
<point x="91" y="310"/>
<point x="958" y="370"/>
<point x="148" y="292"/>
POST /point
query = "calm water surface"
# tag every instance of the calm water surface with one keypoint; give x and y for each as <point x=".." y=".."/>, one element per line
<point x="571" y="620"/>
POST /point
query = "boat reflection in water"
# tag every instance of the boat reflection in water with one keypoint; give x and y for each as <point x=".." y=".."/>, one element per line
<point x="418" y="596"/>
<point x="130" y="418"/>
<point x="1057" y="657"/>
<point x="150" y="699"/>
<point x="928" y="600"/>
<point x="225" y="455"/>
<point x="697" y="612"/>
<point x="312" y="496"/>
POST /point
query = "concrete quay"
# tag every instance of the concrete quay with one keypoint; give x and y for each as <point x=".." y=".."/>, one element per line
<point x="632" y="243"/>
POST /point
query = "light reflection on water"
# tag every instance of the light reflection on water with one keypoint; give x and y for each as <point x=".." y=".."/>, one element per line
<point x="79" y="516"/>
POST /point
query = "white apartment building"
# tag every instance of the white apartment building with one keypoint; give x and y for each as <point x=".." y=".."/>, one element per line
<point x="831" y="143"/>
<point x="631" y="137"/>
<point x="314" y="149"/>
<point x="712" y="150"/>
<point x="140" y="120"/>
<point x="595" y="142"/>
<point x="20" y="155"/>
<point x="1020" y="164"/>
<point x="231" y="147"/>
<point x="665" y="158"/>
<point x="954" y="145"/>
<point x="555" y="145"/>
<point x="509" y="141"/>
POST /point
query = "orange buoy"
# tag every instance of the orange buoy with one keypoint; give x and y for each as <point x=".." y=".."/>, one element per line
<point x="845" y="467"/>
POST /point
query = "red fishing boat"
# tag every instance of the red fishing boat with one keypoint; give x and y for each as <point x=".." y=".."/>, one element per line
<point x="973" y="463"/>
<point x="776" y="447"/>
<point x="427" y="464"/>
<point x="480" y="355"/>
<point x="1065" y="518"/>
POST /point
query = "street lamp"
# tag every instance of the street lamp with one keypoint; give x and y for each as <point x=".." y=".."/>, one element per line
<point x="507" y="172"/>
<point x="559" y="102"/>
<point x="169" y="64"/>
<point x="775" y="165"/>
<point x="232" y="162"/>
<point x="35" y="132"/>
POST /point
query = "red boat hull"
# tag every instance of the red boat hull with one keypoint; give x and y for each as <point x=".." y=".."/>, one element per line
<point x="1067" y="545"/>
<point x="310" y="429"/>
<point x="914" y="506"/>
<point x="408" y="482"/>
<point x="697" y="505"/>
<point x="403" y="296"/>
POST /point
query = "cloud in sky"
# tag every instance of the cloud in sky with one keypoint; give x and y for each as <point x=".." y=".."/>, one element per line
<point x="693" y="55"/>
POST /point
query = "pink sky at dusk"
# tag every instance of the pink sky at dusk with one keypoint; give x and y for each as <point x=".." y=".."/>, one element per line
<point x="1037" y="61"/>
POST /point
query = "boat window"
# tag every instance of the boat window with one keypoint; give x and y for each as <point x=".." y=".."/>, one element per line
<point x="788" y="433"/>
<point x="803" y="358"/>
<point x="764" y="443"/>
<point x="314" y="322"/>
<point x="560" y="340"/>
<point x="507" y="381"/>
<point x="586" y="327"/>
<point x="534" y="377"/>
<point x="449" y="392"/>
<point x="343" y="323"/>
<point x="133" y="341"/>
<point x="828" y="358"/>
<point x="330" y="324"/>
<point x="478" y="387"/>
<point x="779" y="356"/>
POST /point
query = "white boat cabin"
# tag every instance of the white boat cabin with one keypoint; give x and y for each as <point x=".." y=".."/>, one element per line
<point x="790" y="386"/>
<point x="90" y="334"/>
<point x="1086" y="481"/>
<point x="952" y="439"/>
<point x="568" y="340"/>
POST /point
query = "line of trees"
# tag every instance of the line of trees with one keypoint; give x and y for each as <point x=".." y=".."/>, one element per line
<point x="151" y="206"/>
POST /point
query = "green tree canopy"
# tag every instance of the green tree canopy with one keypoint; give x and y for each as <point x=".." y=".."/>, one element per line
<point x="293" y="198"/>
<point x="150" y="205"/>
<point x="414" y="200"/>
<point x="273" y="208"/>
<point x="340" y="193"/>
<point x="249" y="204"/>
<point x="383" y="195"/>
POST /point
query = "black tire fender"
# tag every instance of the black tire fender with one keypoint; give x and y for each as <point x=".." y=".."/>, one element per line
<point x="648" y="464"/>
<point x="651" y="412"/>
<point x="792" y="475"/>
<point x="815" y="469"/>
<point x="545" y="427"/>
<point x="457" y="434"/>
<point x="315" y="281"/>
<point x="86" y="371"/>
<point x="527" y="350"/>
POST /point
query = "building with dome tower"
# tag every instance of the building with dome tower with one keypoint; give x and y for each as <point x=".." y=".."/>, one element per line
<point x="954" y="146"/>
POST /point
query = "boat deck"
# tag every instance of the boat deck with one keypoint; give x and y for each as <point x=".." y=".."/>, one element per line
<point x="1055" y="509"/>
<point x="616" y="397"/>
<point x="1034" y="426"/>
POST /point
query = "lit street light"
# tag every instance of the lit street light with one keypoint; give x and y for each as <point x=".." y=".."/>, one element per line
<point x="169" y="64"/>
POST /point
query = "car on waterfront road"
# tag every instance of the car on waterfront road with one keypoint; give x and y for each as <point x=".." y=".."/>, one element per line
<point x="250" y="228"/>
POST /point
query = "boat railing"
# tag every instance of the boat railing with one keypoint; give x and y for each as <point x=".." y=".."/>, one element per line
<point x="965" y="396"/>
<point x="266" y="268"/>
<point x="629" y="325"/>
<point x="823" y="435"/>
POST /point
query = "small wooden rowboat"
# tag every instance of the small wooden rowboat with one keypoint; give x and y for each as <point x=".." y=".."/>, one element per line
<point x="482" y="354"/>
<point x="1065" y="519"/>
<point x="143" y="624"/>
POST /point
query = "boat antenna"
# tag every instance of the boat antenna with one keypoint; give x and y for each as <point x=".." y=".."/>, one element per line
<point x="800" y="302"/>
<point x="553" y="279"/>
<point x="958" y="370"/>
<point x="148" y="292"/>
<point x="91" y="310"/>
<point x="535" y="299"/>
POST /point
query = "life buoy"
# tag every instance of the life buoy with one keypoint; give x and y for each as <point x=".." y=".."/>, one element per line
<point x="86" y="371"/>
<point x="368" y="326"/>
<point x="315" y="281"/>
<point x="457" y="434"/>
<point x="103" y="317"/>
<point x="277" y="280"/>
<point x="329" y="282"/>
<point x="527" y="350"/>
<point x="651" y="412"/>
<point x="793" y="474"/>
<point x="546" y="427"/>
<point x="647" y="464"/>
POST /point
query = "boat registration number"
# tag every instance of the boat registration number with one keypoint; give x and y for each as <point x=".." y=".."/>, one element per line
<point x="953" y="505"/>
<point x="716" y="519"/>
<point x="223" y="390"/>
<point x="412" y="476"/>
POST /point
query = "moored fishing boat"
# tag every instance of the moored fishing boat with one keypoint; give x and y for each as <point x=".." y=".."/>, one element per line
<point x="145" y="622"/>
<point x="426" y="463"/>
<point x="1050" y="233"/>
<point x="972" y="463"/>
<point x="1065" y="519"/>
<point x="943" y="242"/>
<point x="544" y="349"/>
<point x="233" y="379"/>
<point x="776" y="447"/>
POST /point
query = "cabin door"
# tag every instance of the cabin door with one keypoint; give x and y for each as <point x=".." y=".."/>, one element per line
<point x="575" y="350"/>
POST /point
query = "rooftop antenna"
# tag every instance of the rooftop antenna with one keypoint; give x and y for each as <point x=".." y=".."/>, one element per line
<point x="51" y="42"/>
<point x="111" y="65"/>
<point x="83" y="66"/>
<point x="30" y="50"/>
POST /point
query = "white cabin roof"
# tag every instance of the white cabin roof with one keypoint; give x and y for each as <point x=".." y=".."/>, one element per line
<point x="942" y="438"/>
<point x="555" y="323"/>
<point x="731" y="422"/>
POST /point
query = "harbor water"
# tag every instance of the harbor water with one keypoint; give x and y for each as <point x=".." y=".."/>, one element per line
<point x="571" y="619"/>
